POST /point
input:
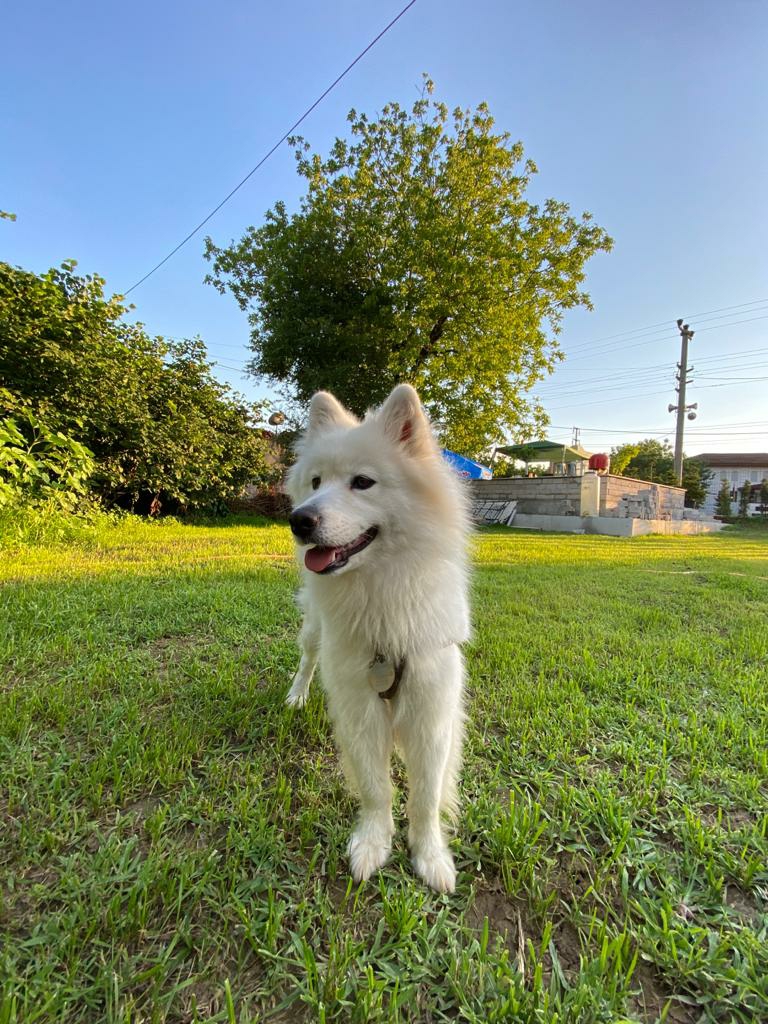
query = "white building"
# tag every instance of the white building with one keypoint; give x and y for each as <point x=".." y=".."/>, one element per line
<point x="737" y="468"/>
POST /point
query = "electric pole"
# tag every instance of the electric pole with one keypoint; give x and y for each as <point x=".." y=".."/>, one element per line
<point x="686" y="334"/>
<point x="575" y="437"/>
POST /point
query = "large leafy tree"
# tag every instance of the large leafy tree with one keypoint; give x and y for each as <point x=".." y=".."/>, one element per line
<point x="164" y="432"/>
<point x="415" y="255"/>
<point x="655" y="460"/>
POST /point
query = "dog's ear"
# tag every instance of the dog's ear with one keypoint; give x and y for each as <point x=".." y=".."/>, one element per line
<point x="326" y="412"/>
<point x="404" y="422"/>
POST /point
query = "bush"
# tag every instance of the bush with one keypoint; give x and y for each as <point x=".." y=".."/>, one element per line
<point x="42" y="466"/>
<point x="44" y="482"/>
<point x="163" y="432"/>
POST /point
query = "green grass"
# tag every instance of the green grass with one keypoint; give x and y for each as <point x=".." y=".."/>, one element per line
<point x="172" y="836"/>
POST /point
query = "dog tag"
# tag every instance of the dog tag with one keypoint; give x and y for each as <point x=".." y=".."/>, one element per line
<point x="381" y="674"/>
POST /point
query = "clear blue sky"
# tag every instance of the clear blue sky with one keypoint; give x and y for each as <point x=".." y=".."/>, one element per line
<point x="123" y="125"/>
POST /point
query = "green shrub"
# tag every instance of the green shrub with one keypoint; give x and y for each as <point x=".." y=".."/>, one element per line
<point x="165" y="435"/>
<point x="44" y="482"/>
<point x="39" y="465"/>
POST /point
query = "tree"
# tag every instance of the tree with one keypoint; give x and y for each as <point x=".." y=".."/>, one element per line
<point x="745" y="497"/>
<point x="764" y="498"/>
<point x="163" y="431"/>
<point x="723" y="506"/>
<point x="414" y="256"/>
<point x="696" y="477"/>
<point x="655" y="461"/>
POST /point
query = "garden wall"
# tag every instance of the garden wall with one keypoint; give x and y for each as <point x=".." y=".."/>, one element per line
<point x="620" y="496"/>
<point x="542" y="495"/>
<point x="624" y="496"/>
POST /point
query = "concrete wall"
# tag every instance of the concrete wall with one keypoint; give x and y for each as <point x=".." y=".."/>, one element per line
<point x="620" y="496"/>
<point x="625" y="497"/>
<point x="614" y="526"/>
<point x="543" y="495"/>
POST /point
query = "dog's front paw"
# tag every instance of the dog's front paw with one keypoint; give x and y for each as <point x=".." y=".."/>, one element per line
<point x="435" y="866"/>
<point x="367" y="853"/>
<point x="296" y="698"/>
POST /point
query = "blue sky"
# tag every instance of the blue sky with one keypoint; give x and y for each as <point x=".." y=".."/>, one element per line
<point x="123" y="125"/>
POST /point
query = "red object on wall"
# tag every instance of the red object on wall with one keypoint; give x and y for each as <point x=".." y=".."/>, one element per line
<point x="599" y="462"/>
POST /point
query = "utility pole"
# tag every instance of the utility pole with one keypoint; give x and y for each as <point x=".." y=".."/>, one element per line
<point x="575" y="437"/>
<point x="686" y="334"/>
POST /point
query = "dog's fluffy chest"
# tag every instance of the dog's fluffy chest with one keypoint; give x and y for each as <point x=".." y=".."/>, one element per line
<point x="394" y="615"/>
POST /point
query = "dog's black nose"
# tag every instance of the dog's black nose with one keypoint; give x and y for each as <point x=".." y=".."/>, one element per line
<point x="304" y="523"/>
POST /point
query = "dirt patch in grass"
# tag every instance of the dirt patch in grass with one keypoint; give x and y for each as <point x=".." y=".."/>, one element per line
<point x="738" y="819"/>
<point x="730" y="820"/>
<point x="504" y="917"/>
<point x="166" y="650"/>
<point x="744" y="907"/>
<point x="648" y="1004"/>
<point x="21" y="903"/>
<point x="513" y="922"/>
<point x="143" y="807"/>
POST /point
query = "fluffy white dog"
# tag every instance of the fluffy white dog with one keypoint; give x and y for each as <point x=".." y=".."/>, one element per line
<point x="381" y="521"/>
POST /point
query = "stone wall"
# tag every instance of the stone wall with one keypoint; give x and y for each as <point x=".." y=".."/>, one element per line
<point x="620" y="496"/>
<point x="626" y="497"/>
<point x="538" y="495"/>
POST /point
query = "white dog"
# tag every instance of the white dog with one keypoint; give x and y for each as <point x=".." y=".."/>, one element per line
<point x="381" y="521"/>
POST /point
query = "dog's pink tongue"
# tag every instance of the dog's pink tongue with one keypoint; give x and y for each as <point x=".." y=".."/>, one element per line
<point x="317" y="559"/>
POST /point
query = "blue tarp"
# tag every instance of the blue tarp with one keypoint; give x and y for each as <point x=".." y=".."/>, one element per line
<point x="466" y="467"/>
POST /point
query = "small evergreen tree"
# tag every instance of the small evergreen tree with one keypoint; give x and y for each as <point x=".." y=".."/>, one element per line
<point x="723" y="505"/>
<point x="745" y="495"/>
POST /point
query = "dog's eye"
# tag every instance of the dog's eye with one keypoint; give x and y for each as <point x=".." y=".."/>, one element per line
<point x="361" y="483"/>
<point x="315" y="482"/>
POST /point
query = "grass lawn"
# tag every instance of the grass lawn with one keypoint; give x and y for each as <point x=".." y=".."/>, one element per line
<point x="172" y="836"/>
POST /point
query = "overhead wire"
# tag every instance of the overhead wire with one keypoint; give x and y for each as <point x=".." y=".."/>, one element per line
<point x="580" y="351"/>
<point x="669" y="323"/>
<point x="699" y="359"/>
<point x="648" y="394"/>
<point x="276" y="146"/>
<point x="635" y="342"/>
<point x="225" y="366"/>
<point x="552" y="389"/>
<point x="613" y="430"/>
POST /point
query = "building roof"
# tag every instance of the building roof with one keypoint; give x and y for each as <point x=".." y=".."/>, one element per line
<point x="733" y="460"/>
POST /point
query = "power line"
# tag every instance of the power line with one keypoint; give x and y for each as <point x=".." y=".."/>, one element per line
<point x="657" y="335"/>
<point x="225" y="366"/>
<point x="635" y="342"/>
<point x="279" y="142"/>
<point x="613" y="430"/>
<point x="616" y="382"/>
<point x="666" y="323"/>
<point x="631" y="396"/>
<point x="734" y="322"/>
<point x="653" y="366"/>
